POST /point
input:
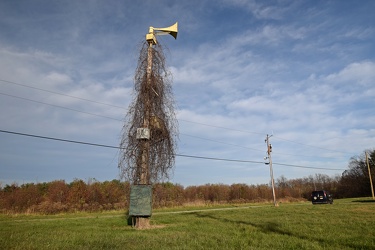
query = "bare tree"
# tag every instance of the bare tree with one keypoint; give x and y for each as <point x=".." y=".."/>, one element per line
<point x="355" y="181"/>
<point x="152" y="108"/>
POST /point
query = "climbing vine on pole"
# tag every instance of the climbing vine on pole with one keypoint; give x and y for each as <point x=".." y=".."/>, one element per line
<point x="150" y="130"/>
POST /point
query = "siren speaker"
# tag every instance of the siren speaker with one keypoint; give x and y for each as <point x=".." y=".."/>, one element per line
<point x="172" y="30"/>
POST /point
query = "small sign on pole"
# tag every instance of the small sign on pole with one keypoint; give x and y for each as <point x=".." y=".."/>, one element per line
<point x="143" y="133"/>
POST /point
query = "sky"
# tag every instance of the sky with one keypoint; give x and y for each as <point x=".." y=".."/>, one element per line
<point x="300" y="71"/>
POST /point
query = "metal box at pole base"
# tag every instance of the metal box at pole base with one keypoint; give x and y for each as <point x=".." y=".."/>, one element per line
<point x="140" y="200"/>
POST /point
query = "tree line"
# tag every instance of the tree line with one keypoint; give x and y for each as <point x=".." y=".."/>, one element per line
<point x="59" y="196"/>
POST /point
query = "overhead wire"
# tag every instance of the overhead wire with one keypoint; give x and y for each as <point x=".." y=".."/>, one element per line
<point x="116" y="106"/>
<point x="57" y="106"/>
<point x="107" y="117"/>
<point x="235" y="145"/>
<point x="180" y="155"/>
<point x="62" y="94"/>
<point x="231" y="129"/>
<point x="88" y="113"/>
<point x="230" y="144"/>
<point x="307" y="145"/>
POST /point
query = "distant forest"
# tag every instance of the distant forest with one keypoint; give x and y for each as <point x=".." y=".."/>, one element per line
<point x="59" y="196"/>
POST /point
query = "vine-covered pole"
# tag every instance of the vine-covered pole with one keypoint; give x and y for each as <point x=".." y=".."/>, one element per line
<point x="148" y="141"/>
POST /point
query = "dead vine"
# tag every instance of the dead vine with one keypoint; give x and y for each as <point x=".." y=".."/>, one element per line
<point x="156" y="98"/>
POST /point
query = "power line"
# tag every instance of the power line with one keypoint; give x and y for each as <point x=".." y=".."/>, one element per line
<point x="218" y="159"/>
<point x="58" y="139"/>
<point x="111" y="105"/>
<point x="57" y="106"/>
<point x="299" y="166"/>
<point x="230" y="144"/>
<point x="307" y="145"/>
<point x="88" y="113"/>
<point x="235" y="145"/>
<point x="259" y="133"/>
<point x="180" y="155"/>
<point x="231" y="129"/>
<point x="62" y="94"/>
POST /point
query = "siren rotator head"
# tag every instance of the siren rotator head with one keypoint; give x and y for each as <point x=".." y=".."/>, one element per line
<point x="151" y="36"/>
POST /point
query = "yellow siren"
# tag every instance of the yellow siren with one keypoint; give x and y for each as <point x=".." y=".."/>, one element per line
<point x="171" y="30"/>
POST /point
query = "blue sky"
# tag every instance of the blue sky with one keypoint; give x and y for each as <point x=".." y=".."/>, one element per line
<point x="302" y="71"/>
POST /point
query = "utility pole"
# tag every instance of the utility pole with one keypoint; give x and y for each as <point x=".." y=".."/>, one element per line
<point x="151" y="39"/>
<point x="140" y="207"/>
<point x="269" y="157"/>
<point x="144" y="175"/>
<point x="369" y="173"/>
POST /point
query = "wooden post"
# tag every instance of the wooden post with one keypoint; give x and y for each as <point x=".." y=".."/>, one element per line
<point x="144" y="179"/>
<point x="369" y="173"/>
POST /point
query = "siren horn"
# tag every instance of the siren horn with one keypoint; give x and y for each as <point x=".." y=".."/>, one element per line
<point x="171" y="30"/>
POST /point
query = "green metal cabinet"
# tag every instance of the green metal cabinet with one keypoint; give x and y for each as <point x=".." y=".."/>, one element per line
<point x="140" y="200"/>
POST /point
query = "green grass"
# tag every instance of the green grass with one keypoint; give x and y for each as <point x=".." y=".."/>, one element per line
<point x="347" y="224"/>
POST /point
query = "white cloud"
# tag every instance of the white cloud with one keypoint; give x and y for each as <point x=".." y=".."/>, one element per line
<point x="58" y="78"/>
<point x="359" y="74"/>
<point x="262" y="10"/>
<point x="359" y="33"/>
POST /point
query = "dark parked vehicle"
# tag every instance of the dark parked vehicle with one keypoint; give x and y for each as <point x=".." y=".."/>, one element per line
<point x="321" y="197"/>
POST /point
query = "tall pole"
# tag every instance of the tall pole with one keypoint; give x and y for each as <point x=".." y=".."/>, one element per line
<point x="144" y="172"/>
<point x="369" y="173"/>
<point x="144" y="178"/>
<point x="151" y="39"/>
<point x="269" y="151"/>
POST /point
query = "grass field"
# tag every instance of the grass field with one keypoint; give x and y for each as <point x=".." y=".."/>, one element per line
<point x="347" y="224"/>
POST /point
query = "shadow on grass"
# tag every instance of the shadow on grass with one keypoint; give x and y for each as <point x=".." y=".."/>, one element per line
<point x="272" y="227"/>
<point x="364" y="201"/>
<point x="268" y="227"/>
